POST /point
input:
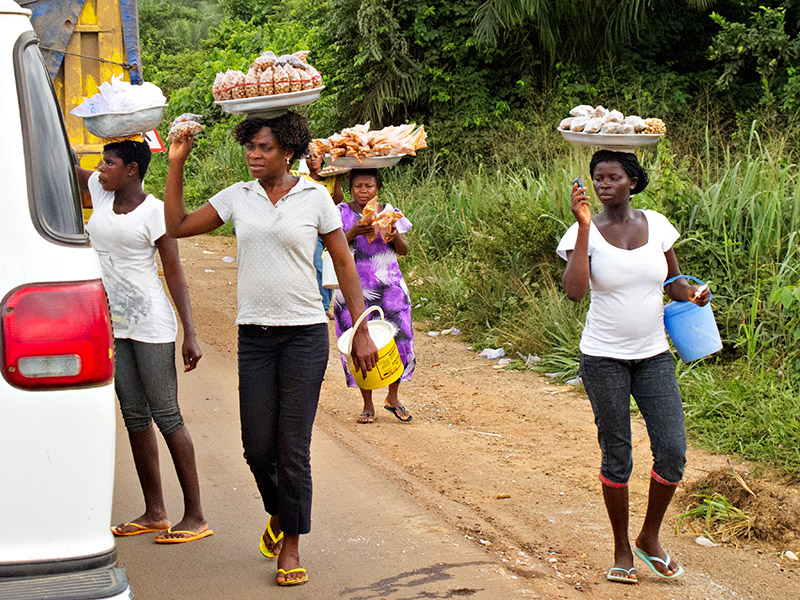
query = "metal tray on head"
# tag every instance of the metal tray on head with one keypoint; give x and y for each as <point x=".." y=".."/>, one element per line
<point x="267" y="107"/>
<point x="621" y="142"/>
<point x="369" y="162"/>
<point x="111" y="125"/>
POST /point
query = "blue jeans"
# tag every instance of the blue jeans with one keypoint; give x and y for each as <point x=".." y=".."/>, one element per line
<point x="610" y="383"/>
<point x="147" y="385"/>
<point x="326" y="293"/>
<point x="280" y="376"/>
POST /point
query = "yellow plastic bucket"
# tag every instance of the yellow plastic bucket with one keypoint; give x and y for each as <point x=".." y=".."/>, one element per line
<point x="389" y="367"/>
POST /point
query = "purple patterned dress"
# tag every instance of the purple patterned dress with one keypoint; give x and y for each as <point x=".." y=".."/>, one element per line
<point x="383" y="285"/>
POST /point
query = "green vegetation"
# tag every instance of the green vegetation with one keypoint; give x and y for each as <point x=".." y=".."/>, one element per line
<point x="489" y="197"/>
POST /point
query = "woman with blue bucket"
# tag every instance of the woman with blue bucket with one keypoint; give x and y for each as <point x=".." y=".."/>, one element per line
<point x="624" y="257"/>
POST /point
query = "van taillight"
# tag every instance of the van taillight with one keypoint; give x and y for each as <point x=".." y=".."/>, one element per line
<point x="57" y="335"/>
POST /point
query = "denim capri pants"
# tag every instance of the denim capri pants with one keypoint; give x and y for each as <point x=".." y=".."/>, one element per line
<point x="609" y="383"/>
<point x="146" y="383"/>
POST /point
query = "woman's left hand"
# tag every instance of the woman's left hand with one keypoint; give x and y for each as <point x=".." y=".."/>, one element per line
<point x="191" y="353"/>
<point x="699" y="294"/>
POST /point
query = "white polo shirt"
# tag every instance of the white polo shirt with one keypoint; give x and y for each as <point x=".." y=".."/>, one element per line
<point x="277" y="283"/>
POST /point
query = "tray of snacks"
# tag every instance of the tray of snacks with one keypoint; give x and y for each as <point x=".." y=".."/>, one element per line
<point x="598" y="126"/>
<point x="333" y="171"/>
<point x="270" y="86"/>
<point x="360" y="147"/>
<point x="120" y="109"/>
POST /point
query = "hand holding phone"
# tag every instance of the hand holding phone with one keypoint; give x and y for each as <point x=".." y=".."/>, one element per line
<point x="579" y="181"/>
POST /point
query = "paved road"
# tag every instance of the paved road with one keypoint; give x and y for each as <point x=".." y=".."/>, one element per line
<point x="369" y="540"/>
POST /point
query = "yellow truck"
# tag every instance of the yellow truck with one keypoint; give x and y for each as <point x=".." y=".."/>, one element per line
<point x="85" y="42"/>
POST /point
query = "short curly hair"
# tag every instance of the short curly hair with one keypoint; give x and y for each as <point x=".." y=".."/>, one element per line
<point x="290" y="129"/>
<point x="129" y="152"/>
<point x="374" y="173"/>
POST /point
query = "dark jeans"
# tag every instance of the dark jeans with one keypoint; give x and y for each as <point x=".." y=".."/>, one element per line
<point x="147" y="385"/>
<point x="610" y="383"/>
<point x="280" y="375"/>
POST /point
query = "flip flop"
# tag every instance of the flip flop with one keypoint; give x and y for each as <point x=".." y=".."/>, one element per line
<point x="402" y="411"/>
<point x="365" y="418"/>
<point x="298" y="581"/>
<point x="275" y="539"/>
<point x="649" y="560"/>
<point x="622" y="578"/>
<point x="190" y="537"/>
<point x="139" y="529"/>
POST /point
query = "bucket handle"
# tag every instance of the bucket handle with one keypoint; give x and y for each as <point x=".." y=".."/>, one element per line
<point x="358" y="322"/>
<point x="671" y="279"/>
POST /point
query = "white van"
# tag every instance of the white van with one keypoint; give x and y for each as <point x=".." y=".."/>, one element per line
<point x="57" y="407"/>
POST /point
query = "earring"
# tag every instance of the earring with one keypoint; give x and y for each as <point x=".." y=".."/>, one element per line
<point x="288" y="160"/>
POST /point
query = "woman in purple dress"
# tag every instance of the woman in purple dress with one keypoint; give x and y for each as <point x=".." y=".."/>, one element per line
<point x="382" y="282"/>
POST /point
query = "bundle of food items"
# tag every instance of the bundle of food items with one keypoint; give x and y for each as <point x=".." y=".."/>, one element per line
<point x="360" y="143"/>
<point x="382" y="222"/>
<point x="590" y="119"/>
<point x="120" y="109"/>
<point x="187" y="123"/>
<point x="269" y="75"/>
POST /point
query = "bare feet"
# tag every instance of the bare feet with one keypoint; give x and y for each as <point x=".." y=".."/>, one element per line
<point x="144" y="524"/>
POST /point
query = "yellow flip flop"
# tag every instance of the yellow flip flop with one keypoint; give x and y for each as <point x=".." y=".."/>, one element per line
<point x="139" y="529"/>
<point x="275" y="539"/>
<point x="297" y="581"/>
<point x="190" y="536"/>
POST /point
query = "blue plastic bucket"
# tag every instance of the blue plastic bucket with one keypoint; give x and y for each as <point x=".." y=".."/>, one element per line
<point x="691" y="328"/>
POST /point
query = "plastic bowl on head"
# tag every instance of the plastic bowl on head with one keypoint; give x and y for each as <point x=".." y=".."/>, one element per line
<point x="111" y="125"/>
<point x="389" y="367"/>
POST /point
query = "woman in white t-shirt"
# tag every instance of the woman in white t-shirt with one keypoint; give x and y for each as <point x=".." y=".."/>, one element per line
<point x="623" y="256"/>
<point x="283" y="331"/>
<point x="127" y="228"/>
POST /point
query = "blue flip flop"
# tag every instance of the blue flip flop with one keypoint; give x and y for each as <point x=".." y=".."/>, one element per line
<point x="649" y="560"/>
<point x="622" y="578"/>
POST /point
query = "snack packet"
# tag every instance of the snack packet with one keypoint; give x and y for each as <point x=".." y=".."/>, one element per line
<point x="177" y="130"/>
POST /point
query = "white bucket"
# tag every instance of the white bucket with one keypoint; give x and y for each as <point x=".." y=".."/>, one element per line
<point x="329" y="279"/>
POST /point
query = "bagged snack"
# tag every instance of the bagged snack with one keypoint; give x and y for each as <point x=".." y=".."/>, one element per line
<point x="301" y="55"/>
<point x="593" y="125"/>
<point x="565" y="123"/>
<point x="267" y="59"/>
<point x="316" y="78"/>
<point x="578" y="123"/>
<point x="295" y="84"/>
<point x="654" y="125"/>
<point x="582" y="110"/>
<point x="217" y="88"/>
<point x="637" y="122"/>
<point x="238" y="90"/>
<point x="613" y="116"/>
<point x="252" y="84"/>
<point x="281" y="78"/>
<point x="185" y="117"/>
<point x="628" y="128"/>
<point x="178" y="129"/>
<point x="611" y="127"/>
<point x="266" y="83"/>
<point x="305" y="79"/>
<point x="600" y="112"/>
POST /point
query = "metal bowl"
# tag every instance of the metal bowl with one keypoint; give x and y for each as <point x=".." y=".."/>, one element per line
<point x="621" y="142"/>
<point x="110" y="125"/>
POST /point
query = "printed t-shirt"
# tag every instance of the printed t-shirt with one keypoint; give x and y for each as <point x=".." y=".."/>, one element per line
<point x="277" y="280"/>
<point x="126" y="245"/>
<point x="626" y="313"/>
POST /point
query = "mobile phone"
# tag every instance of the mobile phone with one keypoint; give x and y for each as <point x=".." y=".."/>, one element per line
<point x="579" y="181"/>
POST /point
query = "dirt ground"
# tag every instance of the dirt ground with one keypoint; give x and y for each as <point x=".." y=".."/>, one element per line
<point x="512" y="462"/>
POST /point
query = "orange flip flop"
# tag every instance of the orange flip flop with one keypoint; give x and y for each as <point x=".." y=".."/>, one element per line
<point x="190" y="536"/>
<point x="139" y="529"/>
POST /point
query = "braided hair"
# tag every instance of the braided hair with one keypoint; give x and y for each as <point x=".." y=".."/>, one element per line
<point x="626" y="160"/>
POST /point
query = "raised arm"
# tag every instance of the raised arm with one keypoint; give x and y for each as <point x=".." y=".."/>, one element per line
<point x="176" y="283"/>
<point x="364" y="352"/>
<point x="576" y="276"/>
<point x="179" y="222"/>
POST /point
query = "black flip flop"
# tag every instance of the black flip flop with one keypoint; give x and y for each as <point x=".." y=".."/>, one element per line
<point x="394" y="410"/>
